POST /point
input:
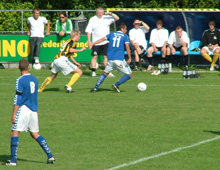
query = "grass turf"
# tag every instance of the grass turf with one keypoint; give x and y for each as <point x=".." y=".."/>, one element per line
<point x="101" y="130"/>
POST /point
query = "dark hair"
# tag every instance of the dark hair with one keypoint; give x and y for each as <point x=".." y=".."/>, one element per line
<point x="120" y="26"/>
<point x="212" y="20"/>
<point x="63" y="13"/>
<point x="159" y="19"/>
<point x="23" y="64"/>
<point x="36" y="9"/>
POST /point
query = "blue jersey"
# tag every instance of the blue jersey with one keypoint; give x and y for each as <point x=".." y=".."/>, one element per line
<point x="116" y="46"/>
<point x="27" y="92"/>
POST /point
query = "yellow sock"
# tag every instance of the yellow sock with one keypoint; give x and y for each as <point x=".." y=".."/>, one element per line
<point x="46" y="82"/>
<point x="215" y="58"/>
<point x="207" y="57"/>
<point x="73" y="79"/>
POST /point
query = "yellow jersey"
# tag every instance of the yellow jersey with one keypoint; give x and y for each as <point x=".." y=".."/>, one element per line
<point x="65" y="49"/>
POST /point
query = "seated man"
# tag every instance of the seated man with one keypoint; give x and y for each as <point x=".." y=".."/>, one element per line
<point x="210" y="41"/>
<point x="158" y="40"/>
<point x="178" y="41"/>
<point x="63" y="25"/>
<point x="138" y="40"/>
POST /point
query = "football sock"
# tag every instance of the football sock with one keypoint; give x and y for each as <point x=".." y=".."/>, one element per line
<point x="149" y="60"/>
<point x="93" y="69"/>
<point x="46" y="82"/>
<point x="207" y="57"/>
<point x="215" y="58"/>
<point x="167" y="59"/>
<point x="14" y="149"/>
<point x="123" y="79"/>
<point x="43" y="143"/>
<point x="73" y="79"/>
<point x="137" y="64"/>
<point x="186" y="60"/>
<point x="100" y="80"/>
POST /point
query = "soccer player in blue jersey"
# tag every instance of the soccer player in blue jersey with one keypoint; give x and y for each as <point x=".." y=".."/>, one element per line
<point x="118" y="42"/>
<point x="24" y="116"/>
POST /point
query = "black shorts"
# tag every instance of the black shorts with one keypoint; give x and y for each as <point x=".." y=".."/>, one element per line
<point x="100" y="50"/>
<point x="177" y="48"/>
<point x="142" y="49"/>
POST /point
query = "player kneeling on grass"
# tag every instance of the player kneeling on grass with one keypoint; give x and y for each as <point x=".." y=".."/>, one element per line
<point x="62" y="63"/>
<point x="116" y="61"/>
<point x="24" y="116"/>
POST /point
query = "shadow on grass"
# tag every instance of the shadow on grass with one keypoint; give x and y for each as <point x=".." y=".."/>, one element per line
<point x="214" y="132"/>
<point x="4" y="158"/>
<point x="51" y="89"/>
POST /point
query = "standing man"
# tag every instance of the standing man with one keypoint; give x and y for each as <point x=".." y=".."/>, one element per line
<point x="138" y="41"/>
<point x="62" y="63"/>
<point x="35" y="30"/>
<point x="24" y="115"/>
<point x="63" y="25"/>
<point x="178" y="41"/>
<point x="158" y="40"/>
<point x="210" y="41"/>
<point x="118" y="42"/>
<point x="98" y="27"/>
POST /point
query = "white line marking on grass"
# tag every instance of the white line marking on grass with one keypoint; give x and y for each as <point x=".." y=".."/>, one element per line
<point x="164" y="153"/>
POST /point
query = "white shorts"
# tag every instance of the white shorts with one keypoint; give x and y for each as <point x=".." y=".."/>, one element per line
<point x="120" y="66"/>
<point x="64" y="65"/>
<point x="210" y="52"/>
<point x="26" y="120"/>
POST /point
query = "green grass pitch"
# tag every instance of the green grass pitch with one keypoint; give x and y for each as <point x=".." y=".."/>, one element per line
<point x="104" y="130"/>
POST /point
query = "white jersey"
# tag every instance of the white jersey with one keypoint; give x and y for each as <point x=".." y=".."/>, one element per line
<point x="159" y="36"/>
<point x="37" y="26"/>
<point x="175" y="41"/>
<point x="99" y="27"/>
<point x="138" y="36"/>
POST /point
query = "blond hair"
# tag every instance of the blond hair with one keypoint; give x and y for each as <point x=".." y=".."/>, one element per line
<point x="74" y="33"/>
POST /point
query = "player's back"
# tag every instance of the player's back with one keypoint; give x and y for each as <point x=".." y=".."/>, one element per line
<point x="116" y="46"/>
<point x="27" y="92"/>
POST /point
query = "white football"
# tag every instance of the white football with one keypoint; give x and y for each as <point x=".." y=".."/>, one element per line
<point x="96" y="66"/>
<point x="142" y="86"/>
<point x="37" y="66"/>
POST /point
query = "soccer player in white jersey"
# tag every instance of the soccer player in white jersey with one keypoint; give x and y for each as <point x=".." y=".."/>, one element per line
<point x="158" y="40"/>
<point x="98" y="27"/>
<point x="178" y="41"/>
<point x="24" y="115"/>
<point x="138" y="40"/>
<point x="35" y="30"/>
<point x="118" y="42"/>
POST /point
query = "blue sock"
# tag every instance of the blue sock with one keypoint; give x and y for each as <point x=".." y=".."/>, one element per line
<point x="100" y="81"/>
<point x="44" y="146"/>
<point x="123" y="79"/>
<point x="14" y="148"/>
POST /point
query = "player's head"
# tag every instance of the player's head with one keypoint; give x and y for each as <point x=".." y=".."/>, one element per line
<point x="211" y="24"/>
<point x="75" y="34"/>
<point x="63" y="16"/>
<point x="100" y="12"/>
<point x="122" y="27"/>
<point x="137" y="23"/>
<point x="179" y="30"/>
<point x="23" y="64"/>
<point x="159" y="23"/>
<point x="36" y="12"/>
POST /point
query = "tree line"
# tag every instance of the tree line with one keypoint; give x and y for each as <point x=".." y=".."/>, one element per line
<point x="11" y="21"/>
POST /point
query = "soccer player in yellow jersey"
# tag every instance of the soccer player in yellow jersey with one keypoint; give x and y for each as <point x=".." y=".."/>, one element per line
<point x="62" y="63"/>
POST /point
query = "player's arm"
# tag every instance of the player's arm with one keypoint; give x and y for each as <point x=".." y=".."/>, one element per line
<point x="128" y="52"/>
<point x="48" y="28"/>
<point x="15" y="109"/>
<point x="75" y="62"/>
<point x="28" y="29"/>
<point x="145" y="25"/>
<point x="116" y="18"/>
<point x="97" y="42"/>
<point x="73" y="50"/>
